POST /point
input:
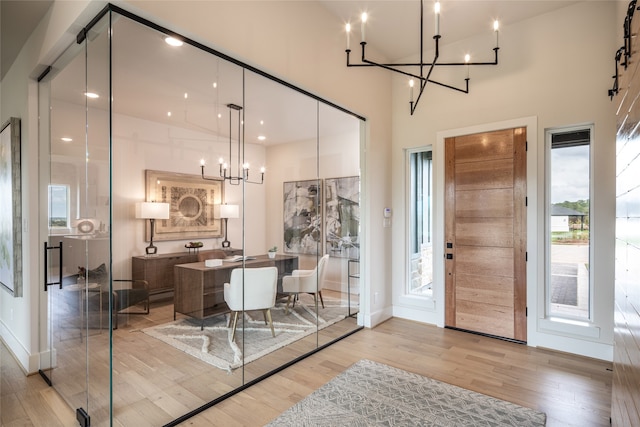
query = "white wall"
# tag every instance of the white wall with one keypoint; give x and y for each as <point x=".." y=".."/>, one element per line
<point x="554" y="71"/>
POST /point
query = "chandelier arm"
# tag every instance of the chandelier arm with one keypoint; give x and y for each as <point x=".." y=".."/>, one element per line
<point x="204" y="177"/>
<point x="422" y="35"/>
<point x="414" y="105"/>
<point x="466" y="90"/>
<point x="453" y="64"/>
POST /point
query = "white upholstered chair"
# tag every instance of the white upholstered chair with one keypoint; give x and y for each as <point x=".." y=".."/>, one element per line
<point x="259" y="293"/>
<point x="305" y="281"/>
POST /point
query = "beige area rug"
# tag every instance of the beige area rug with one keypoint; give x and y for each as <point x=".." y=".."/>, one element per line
<point x="374" y="394"/>
<point x="213" y="344"/>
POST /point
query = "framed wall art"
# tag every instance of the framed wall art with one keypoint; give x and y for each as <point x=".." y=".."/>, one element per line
<point x="191" y="205"/>
<point x="303" y="217"/>
<point x="342" y="217"/>
<point x="10" y="217"/>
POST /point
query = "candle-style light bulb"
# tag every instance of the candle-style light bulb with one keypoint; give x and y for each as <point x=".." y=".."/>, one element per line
<point x="436" y="9"/>
<point x="496" y="27"/>
<point x="245" y="166"/>
<point x="201" y="162"/>
<point x="348" y="28"/>
<point x="364" y="21"/>
<point x="262" y="169"/>
<point x="411" y="83"/>
<point x="467" y="58"/>
<point x="221" y="160"/>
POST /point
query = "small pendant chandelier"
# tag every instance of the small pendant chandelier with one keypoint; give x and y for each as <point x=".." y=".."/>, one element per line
<point x="242" y="169"/>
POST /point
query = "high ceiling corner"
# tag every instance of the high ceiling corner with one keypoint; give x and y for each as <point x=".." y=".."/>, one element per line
<point x="18" y="19"/>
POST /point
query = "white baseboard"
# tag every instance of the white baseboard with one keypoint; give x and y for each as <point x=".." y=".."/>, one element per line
<point x="377" y="317"/>
<point x="30" y="363"/>
<point x="417" y="315"/>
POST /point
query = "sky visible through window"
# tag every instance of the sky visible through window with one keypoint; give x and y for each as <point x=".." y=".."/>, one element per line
<point x="570" y="174"/>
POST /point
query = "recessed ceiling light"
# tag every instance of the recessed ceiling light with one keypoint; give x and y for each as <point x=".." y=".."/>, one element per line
<point x="186" y="95"/>
<point x="66" y="139"/>
<point x="215" y="85"/>
<point x="91" y="95"/>
<point x="172" y="41"/>
<point x="169" y="114"/>
<point x="261" y="122"/>
<point x="262" y="137"/>
<point x="219" y="115"/>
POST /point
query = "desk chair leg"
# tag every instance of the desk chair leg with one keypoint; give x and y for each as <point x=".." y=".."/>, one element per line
<point x="235" y="323"/>
<point x="267" y="315"/>
<point x="291" y="296"/>
<point x="321" y="300"/>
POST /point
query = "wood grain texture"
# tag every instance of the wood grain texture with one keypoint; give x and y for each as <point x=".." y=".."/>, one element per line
<point x="520" y="233"/>
<point x="450" y="231"/>
<point x="571" y="390"/>
<point x="484" y="232"/>
<point x="486" y="146"/>
<point x="487" y="174"/>
<point x="485" y="219"/>
<point x="486" y="203"/>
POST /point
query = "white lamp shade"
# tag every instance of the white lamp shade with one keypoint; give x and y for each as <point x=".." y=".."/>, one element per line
<point x="151" y="210"/>
<point x="227" y="211"/>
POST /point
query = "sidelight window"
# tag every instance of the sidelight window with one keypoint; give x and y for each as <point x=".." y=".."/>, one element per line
<point x="421" y="222"/>
<point x="568" y="267"/>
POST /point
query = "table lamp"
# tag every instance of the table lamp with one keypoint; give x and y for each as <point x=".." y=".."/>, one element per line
<point x="225" y="212"/>
<point x="152" y="211"/>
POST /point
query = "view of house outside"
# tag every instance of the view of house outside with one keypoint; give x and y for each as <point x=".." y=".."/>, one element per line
<point x="569" y="228"/>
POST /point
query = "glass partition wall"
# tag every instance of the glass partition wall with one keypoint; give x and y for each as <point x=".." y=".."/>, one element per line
<point x="213" y="223"/>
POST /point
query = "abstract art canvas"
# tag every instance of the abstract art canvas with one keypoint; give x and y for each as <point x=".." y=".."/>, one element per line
<point x="303" y="217"/>
<point x="342" y="216"/>
<point x="11" y="214"/>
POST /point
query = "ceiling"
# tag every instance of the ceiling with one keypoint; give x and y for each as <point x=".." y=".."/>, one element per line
<point x="18" y="19"/>
<point x="156" y="79"/>
<point x="459" y="20"/>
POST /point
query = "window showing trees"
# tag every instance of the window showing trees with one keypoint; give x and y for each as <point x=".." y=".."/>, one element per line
<point x="58" y="206"/>
<point x="568" y="283"/>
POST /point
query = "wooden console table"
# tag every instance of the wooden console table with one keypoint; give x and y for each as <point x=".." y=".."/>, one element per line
<point x="199" y="290"/>
<point x="157" y="270"/>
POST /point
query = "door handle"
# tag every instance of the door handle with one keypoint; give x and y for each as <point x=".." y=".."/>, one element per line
<point x="46" y="263"/>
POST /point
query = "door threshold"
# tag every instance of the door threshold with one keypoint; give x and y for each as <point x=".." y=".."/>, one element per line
<point x="513" y="340"/>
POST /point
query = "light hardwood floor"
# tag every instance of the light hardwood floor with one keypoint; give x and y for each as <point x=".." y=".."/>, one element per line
<point x="571" y="390"/>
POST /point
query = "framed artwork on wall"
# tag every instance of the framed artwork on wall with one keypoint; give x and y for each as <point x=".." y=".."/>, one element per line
<point x="191" y="201"/>
<point x="11" y="213"/>
<point x="342" y="216"/>
<point x="303" y="217"/>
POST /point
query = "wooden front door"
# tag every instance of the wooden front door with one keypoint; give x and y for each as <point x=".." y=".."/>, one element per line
<point x="485" y="229"/>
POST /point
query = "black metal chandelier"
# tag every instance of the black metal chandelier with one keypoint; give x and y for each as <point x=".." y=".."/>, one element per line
<point x="225" y="168"/>
<point x="423" y="75"/>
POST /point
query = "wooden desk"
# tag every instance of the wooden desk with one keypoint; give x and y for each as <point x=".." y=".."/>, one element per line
<point x="199" y="290"/>
<point x="157" y="270"/>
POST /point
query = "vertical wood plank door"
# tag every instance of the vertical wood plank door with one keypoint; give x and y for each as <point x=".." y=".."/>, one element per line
<point x="485" y="230"/>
